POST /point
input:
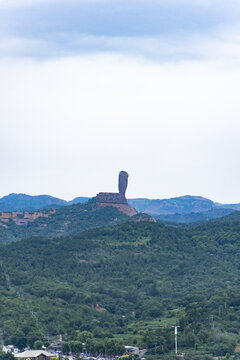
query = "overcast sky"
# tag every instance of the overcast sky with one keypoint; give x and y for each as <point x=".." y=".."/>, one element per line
<point x="92" y="87"/>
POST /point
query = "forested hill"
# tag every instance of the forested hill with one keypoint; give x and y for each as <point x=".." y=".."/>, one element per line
<point x="132" y="281"/>
<point x="178" y="205"/>
<point x="65" y="220"/>
<point x="195" y="217"/>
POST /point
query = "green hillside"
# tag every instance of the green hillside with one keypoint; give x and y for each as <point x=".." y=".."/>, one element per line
<point x="66" y="220"/>
<point x="195" y="217"/>
<point x="132" y="282"/>
<point x="79" y="200"/>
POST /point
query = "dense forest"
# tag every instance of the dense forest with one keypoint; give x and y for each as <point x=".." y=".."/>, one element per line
<point x="126" y="284"/>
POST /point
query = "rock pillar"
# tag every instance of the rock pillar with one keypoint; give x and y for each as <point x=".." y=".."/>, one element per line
<point x="123" y="182"/>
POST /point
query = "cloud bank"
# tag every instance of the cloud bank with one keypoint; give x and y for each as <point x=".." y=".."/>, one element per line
<point x="68" y="126"/>
<point x="151" y="88"/>
<point x="156" y="29"/>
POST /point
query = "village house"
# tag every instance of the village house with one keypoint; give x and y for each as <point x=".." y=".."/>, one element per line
<point x="34" y="354"/>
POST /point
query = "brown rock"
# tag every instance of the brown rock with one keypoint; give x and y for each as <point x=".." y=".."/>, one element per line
<point x="23" y="218"/>
<point x="111" y="198"/>
<point x="117" y="200"/>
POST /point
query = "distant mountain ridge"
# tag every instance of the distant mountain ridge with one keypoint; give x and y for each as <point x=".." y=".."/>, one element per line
<point x="230" y="206"/>
<point x="24" y="202"/>
<point x="178" y="209"/>
<point x="195" y="216"/>
<point x="177" y="205"/>
<point x="79" y="200"/>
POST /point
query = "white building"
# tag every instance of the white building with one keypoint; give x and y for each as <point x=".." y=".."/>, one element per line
<point x="34" y="354"/>
<point x="10" y="349"/>
<point x="132" y="349"/>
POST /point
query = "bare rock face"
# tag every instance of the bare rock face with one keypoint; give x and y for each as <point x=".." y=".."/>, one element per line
<point x="117" y="200"/>
<point x="111" y="198"/>
<point x="122" y="182"/>
<point x="22" y="218"/>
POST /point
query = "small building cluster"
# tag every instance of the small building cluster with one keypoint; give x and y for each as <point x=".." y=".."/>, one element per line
<point x="54" y="350"/>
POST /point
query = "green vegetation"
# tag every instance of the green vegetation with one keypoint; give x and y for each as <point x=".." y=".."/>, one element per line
<point x="130" y="283"/>
<point x="66" y="220"/>
<point x="180" y="205"/>
<point x="195" y="217"/>
<point x="7" y="356"/>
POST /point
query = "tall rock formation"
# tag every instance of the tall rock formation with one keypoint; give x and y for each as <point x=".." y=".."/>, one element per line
<point x="122" y="182"/>
<point x="117" y="200"/>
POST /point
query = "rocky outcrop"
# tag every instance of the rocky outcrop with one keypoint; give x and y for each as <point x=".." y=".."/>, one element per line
<point x="117" y="200"/>
<point x="111" y="198"/>
<point x="23" y="218"/>
<point x="179" y="205"/>
<point x="122" y="182"/>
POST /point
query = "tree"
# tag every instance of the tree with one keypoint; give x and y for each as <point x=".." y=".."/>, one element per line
<point x="90" y="345"/>
<point x="113" y="347"/>
<point x="38" y="345"/>
<point x="84" y="335"/>
<point x="6" y="356"/>
<point x="65" y="348"/>
<point x="75" y="346"/>
<point x="222" y="349"/>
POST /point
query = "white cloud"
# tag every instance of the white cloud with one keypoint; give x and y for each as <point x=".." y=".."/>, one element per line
<point x="166" y="109"/>
<point x="221" y="45"/>
<point x="45" y="33"/>
<point x="68" y="126"/>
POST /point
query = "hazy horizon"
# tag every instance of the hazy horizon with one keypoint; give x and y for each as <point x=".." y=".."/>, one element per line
<point x="129" y="198"/>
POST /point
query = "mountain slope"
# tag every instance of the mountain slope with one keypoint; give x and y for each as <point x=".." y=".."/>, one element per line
<point x="230" y="206"/>
<point x="147" y="272"/>
<point x="64" y="220"/>
<point x="79" y="200"/>
<point x="195" y="217"/>
<point x="180" y="205"/>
